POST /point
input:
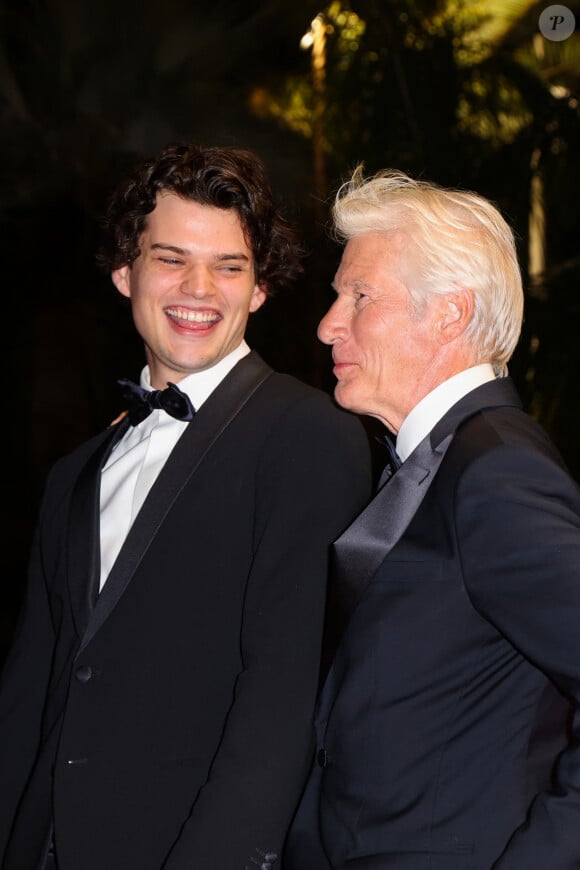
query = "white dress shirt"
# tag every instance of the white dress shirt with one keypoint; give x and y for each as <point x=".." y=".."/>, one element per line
<point x="427" y="413"/>
<point x="141" y="453"/>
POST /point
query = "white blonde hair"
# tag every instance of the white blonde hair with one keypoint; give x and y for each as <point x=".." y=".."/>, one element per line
<point x="457" y="239"/>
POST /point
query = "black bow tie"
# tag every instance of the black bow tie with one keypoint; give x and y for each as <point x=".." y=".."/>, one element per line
<point x="140" y="402"/>
<point x="394" y="457"/>
<point x="394" y="462"/>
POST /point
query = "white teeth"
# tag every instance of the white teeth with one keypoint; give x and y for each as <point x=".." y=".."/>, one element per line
<point x="193" y="316"/>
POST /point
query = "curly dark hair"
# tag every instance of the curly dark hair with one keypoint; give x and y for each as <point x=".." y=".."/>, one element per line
<point x="219" y="176"/>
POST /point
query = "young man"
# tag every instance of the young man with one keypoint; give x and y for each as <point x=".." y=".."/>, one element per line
<point x="449" y="723"/>
<point x="156" y="706"/>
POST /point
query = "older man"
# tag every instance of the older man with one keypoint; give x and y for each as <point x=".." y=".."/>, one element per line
<point x="449" y="724"/>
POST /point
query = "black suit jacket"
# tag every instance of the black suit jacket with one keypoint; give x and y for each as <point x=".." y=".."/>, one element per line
<point x="168" y="724"/>
<point x="449" y="725"/>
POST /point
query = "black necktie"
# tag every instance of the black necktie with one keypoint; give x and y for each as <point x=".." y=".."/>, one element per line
<point x="140" y="402"/>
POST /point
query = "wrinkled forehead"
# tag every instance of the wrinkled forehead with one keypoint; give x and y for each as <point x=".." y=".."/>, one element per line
<point x="373" y="253"/>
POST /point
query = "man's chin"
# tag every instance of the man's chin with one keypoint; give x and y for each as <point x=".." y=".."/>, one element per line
<point x="343" y="396"/>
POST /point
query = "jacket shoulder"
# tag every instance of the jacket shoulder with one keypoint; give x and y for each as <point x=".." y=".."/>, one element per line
<point x="293" y="399"/>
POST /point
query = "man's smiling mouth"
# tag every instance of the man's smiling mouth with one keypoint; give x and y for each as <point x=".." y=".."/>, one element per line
<point x="193" y="316"/>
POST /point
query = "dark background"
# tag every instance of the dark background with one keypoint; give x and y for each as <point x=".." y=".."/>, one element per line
<point x="466" y="94"/>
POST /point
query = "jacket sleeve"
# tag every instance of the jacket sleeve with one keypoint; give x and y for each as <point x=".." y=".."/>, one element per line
<point x="522" y="510"/>
<point x="23" y="687"/>
<point x="314" y="476"/>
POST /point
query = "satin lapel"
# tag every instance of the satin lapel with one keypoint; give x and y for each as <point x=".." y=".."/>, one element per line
<point x="213" y="417"/>
<point x="83" y="557"/>
<point x="364" y="545"/>
<point x="358" y="553"/>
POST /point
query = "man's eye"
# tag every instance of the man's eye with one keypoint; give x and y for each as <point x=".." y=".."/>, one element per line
<point x="171" y="261"/>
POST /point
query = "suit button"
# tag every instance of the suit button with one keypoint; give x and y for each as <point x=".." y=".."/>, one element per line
<point x="84" y="673"/>
<point x="322" y="757"/>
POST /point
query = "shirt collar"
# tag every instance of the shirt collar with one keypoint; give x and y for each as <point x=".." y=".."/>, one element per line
<point x="200" y="385"/>
<point x="427" y="413"/>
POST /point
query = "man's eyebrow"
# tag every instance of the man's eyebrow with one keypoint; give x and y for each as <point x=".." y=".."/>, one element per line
<point x="184" y="252"/>
<point x="161" y="246"/>
<point x="354" y="286"/>
<point x="233" y="256"/>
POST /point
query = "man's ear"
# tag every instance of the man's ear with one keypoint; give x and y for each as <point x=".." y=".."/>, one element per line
<point x="456" y="314"/>
<point x="122" y="280"/>
<point x="258" y="298"/>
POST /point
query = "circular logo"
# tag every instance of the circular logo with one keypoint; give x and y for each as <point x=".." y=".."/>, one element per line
<point x="557" y="23"/>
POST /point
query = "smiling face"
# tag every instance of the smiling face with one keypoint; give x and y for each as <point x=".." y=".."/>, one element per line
<point x="386" y="355"/>
<point x="192" y="287"/>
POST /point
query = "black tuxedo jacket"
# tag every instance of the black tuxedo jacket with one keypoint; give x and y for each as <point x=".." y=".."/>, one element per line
<point x="168" y="722"/>
<point x="449" y="725"/>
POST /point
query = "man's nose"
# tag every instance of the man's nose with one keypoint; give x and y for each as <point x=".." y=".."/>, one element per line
<point x="197" y="282"/>
<point x="332" y="327"/>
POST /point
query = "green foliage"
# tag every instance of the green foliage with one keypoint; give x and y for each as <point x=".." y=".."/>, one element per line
<point x="466" y="92"/>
